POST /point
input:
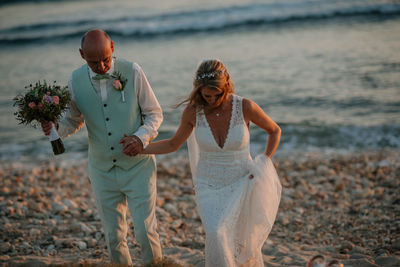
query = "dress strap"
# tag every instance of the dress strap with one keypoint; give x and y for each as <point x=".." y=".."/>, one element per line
<point x="200" y="118"/>
<point x="237" y="115"/>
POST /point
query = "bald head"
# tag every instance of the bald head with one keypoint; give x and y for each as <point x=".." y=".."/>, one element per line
<point x="96" y="49"/>
<point x="95" y="37"/>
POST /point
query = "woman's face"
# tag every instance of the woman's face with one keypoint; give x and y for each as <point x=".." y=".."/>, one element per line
<point x="212" y="96"/>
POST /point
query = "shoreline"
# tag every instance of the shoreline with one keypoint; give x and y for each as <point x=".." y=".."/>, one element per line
<point x="344" y="206"/>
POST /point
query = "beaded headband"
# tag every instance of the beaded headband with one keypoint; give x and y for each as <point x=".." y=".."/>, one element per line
<point x="209" y="74"/>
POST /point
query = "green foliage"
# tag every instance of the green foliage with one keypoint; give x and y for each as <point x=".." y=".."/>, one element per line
<point x="40" y="103"/>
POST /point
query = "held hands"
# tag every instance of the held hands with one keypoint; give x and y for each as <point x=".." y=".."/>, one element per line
<point x="46" y="126"/>
<point x="132" y="145"/>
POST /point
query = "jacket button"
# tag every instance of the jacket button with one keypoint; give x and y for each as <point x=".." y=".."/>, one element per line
<point x="109" y="133"/>
<point x="114" y="160"/>
<point x="112" y="148"/>
<point x="105" y="105"/>
<point x="107" y="119"/>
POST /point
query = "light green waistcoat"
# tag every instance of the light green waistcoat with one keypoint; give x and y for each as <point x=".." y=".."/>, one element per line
<point x="108" y="121"/>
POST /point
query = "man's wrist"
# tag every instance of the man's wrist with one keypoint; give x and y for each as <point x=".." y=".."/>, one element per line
<point x="137" y="139"/>
<point x="142" y="139"/>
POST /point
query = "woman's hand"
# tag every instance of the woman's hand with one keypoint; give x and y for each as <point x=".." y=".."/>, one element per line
<point x="132" y="145"/>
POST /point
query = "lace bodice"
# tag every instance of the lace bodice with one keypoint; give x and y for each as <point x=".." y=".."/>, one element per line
<point x="238" y="134"/>
<point x="218" y="166"/>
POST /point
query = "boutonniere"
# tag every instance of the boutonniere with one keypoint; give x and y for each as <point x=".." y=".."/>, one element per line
<point x="119" y="83"/>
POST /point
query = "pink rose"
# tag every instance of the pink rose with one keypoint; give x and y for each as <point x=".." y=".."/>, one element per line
<point x="56" y="99"/>
<point x="117" y="84"/>
<point x="40" y="106"/>
<point x="32" y="105"/>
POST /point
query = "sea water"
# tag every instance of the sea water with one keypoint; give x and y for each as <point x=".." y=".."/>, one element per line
<point x="327" y="71"/>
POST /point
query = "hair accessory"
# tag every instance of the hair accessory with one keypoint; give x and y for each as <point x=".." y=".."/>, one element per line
<point x="209" y="74"/>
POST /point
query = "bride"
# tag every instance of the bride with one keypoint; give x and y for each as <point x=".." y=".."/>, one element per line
<point x="237" y="197"/>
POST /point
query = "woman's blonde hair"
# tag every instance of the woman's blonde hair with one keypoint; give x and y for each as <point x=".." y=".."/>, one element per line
<point x="211" y="73"/>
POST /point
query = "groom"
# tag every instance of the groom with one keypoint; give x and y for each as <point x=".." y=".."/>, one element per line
<point x="119" y="123"/>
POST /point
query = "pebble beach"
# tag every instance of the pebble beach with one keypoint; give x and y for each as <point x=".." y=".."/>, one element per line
<point x="343" y="206"/>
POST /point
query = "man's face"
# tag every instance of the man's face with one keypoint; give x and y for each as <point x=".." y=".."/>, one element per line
<point x="98" y="57"/>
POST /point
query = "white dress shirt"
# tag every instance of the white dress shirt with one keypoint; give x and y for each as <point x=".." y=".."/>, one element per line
<point x="151" y="111"/>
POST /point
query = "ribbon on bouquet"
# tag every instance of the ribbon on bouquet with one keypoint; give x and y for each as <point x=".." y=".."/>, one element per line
<point x="53" y="133"/>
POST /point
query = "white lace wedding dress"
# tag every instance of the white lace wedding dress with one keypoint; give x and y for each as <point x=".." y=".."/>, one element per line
<point x="237" y="212"/>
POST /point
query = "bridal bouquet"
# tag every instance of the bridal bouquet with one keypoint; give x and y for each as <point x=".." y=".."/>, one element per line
<point x="43" y="102"/>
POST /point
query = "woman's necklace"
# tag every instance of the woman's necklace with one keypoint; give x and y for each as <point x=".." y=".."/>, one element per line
<point x="219" y="111"/>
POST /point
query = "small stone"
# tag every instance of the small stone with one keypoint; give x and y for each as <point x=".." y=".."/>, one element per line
<point x="34" y="232"/>
<point x="5" y="247"/>
<point x="5" y="190"/>
<point x="200" y="230"/>
<point x="64" y="243"/>
<point x="176" y="224"/>
<point x="81" y="245"/>
<point x="25" y="245"/>
<point x="161" y="212"/>
<point x="339" y="187"/>
<point x="359" y="250"/>
<point x="176" y="239"/>
<point x="171" y="208"/>
<point x="299" y="210"/>
<point x="359" y="263"/>
<point x="160" y="201"/>
<point x="80" y="227"/>
<point x="347" y="245"/>
<point x="91" y="242"/>
<point x="322" y="169"/>
<point x="384" y="163"/>
<point x="70" y="204"/>
<point x="58" y="207"/>
<point x="98" y="235"/>
<point x="285" y="220"/>
<point x="52" y="222"/>
<point x="357" y="256"/>
<point x="341" y="256"/>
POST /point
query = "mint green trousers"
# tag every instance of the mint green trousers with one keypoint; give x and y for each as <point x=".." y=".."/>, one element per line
<point x="114" y="192"/>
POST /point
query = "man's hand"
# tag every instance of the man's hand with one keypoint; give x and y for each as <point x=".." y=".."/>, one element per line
<point x="132" y="145"/>
<point x="46" y="127"/>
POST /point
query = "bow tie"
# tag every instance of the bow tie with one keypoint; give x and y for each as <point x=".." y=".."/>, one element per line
<point x="102" y="76"/>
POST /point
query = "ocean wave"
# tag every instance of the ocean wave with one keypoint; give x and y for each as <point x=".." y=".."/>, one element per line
<point x="12" y="2"/>
<point x="349" y="103"/>
<point x="295" y="136"/>
<point x="188" y="22"/>
<point x="310" y="135"/>
<point x="352" y="137"/>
